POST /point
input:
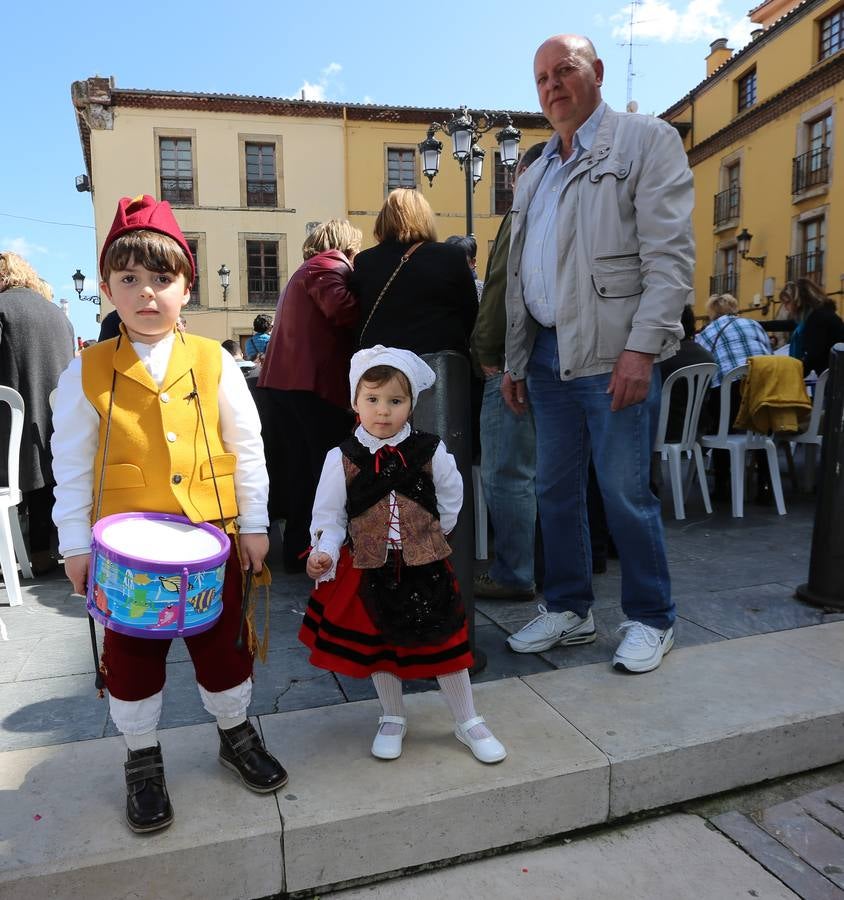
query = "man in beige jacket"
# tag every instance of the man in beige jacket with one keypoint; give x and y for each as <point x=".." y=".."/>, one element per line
<point x="600" y="265"/>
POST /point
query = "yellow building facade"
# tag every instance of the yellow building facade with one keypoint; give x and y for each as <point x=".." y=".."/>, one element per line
<point x="248" y="177"/>
<point x="763" y="133"/>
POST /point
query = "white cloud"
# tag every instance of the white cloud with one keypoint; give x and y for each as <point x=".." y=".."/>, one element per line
<point x="699" y="20"/>
<point x="327" y="83"/>
<point x="21" y="246"/>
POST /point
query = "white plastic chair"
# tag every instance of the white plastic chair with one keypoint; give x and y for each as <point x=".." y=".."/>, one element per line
<point x="697" y="378"/>
<point x="811" y="437"/>
<point x="738" y="445"/>
<point x="12" y="547"/>
<point x="480" y="509"/>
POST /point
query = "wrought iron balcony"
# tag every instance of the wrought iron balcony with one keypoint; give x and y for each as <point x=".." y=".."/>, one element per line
<point x="177" y="190"/>
<point x="724" y="283"/>
<point x="261" y="192"/>
<point x="810" y="170"/>
<point x="805" y="265"/>
<point x="727" y="205"/>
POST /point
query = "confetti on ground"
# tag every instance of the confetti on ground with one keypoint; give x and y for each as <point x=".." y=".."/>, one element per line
<point x="37" y="817"/>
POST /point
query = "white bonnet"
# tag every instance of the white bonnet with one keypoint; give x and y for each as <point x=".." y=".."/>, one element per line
<point x="418" y="372"/>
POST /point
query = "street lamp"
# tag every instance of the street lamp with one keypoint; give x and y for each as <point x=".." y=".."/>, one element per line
<point x="224" y="272"/>
<point x="464" y="131"/>
<point x="79" y="284"/>
<point x="743" y="239"/>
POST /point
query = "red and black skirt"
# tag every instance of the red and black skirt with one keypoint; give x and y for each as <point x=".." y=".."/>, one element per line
<point x="407" y="620"/>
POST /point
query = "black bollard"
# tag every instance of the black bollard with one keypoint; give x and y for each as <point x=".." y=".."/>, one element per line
<point x="826" y="564"/>
<point x="445" y="409"/>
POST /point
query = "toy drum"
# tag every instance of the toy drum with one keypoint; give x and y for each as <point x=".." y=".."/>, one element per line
<point x="173" y="590"/>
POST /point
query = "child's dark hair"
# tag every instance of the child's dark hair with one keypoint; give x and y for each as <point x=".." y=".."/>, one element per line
<point x="380" y="375"/>
<point x="262" y="324"/>
<point x="150" y="249"/>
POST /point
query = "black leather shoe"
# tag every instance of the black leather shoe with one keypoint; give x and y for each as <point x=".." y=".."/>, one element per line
<point x="147" y="802"/>
<point x="243" y="751"/>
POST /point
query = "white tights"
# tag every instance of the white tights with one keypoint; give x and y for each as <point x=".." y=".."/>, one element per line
<point x="455" y="688"/>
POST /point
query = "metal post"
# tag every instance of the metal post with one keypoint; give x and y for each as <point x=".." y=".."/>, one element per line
<point x="445" y="410"/>
<point x="470" y="190"/>
<point x="826" y="564"/>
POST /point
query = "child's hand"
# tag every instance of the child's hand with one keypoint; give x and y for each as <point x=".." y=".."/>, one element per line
<point x="76" y="569"/>
<point x="318" y="564"/>
<point x="253" y="551"/>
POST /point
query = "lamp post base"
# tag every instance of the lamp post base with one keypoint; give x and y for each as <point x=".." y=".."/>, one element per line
<point x="828" y="601"/>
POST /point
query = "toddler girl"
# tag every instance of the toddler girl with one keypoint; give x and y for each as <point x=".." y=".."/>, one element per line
<point x="387" y="603"/>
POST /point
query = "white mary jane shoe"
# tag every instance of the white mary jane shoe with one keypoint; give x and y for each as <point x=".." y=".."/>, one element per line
<point x="388" y="746"/>
<point x="486" y="750"/>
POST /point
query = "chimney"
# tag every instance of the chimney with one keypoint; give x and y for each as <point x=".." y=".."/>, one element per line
<point x="719" y="53"/>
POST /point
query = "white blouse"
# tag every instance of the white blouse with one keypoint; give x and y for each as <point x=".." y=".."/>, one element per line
<point x="329" y="522"/>
<point x="76" y="435"/>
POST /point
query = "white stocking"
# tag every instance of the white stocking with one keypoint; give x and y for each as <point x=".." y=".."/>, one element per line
<point x="457" y="692"/>
<point x="389" y="690"/>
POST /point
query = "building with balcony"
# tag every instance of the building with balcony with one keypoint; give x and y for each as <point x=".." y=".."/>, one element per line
<point x="248" y="177"/>
<point x="762" y="131"/>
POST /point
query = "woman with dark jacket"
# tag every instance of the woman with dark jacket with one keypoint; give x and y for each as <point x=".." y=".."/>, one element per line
<point x="305" y="405"/>
<point x="818" y="324"/>
<point x="36" y="346"/>
<point x="431" y="303"/>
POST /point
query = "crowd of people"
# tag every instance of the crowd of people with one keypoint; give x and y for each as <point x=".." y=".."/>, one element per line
<point x="584" y="301"/>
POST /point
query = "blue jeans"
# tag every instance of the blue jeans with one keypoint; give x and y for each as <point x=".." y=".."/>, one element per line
<point x="508" y="464"/>
<point x="573" y="418"/>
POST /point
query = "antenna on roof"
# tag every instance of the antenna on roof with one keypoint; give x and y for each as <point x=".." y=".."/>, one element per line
<point x="632" y="105"/>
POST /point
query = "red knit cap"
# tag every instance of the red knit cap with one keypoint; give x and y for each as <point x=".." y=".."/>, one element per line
<point x="146" y="213"/>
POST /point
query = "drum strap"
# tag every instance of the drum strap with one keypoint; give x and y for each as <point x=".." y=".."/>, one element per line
<point x="107" y="438"/>
<point x="195" y="393"/>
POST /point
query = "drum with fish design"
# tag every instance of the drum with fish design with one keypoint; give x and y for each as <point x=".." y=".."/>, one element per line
<point x="156" y="575"/>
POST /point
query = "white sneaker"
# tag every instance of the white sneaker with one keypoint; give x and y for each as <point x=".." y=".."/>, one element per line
<point x="388" y="746"/>
<point x="643" y="647"/>
<point x="549" y="629"/>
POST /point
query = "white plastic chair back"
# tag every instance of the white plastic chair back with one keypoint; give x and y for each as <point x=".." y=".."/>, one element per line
<point x="812" y="433"/>
<point x="697" y="378"/>
<point x="12" y="547"/>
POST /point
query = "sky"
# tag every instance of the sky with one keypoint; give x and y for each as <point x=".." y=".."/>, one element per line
<point x="431" y="54"/>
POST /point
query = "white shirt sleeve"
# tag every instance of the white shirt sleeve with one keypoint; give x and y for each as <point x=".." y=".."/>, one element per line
<point x="74" y="444"/>
<point x="449" y="487"/>
<point x="241" y="430"/>
<point x="329" y="514"/>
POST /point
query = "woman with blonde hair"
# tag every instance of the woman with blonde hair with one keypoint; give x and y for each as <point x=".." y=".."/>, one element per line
<point x="36" y="345"/>
<point x="305" y="404"/>
<point x="819" y="326"/>
<point x="430" y="303"/>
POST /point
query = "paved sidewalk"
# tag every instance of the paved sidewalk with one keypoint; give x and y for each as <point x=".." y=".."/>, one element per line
<point x="731" y="578"/>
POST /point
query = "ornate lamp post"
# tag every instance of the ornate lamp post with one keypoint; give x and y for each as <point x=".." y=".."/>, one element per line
<point x="79" y="285"/>
<point x="224" y="272"/>
<point x="464" y="131"/>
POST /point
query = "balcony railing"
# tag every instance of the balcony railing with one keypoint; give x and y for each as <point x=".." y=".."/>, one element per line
<point x="724" y="283"/>
<point x="805" y="265"/>
<point x="177" y="190"/>
<point x="727" y="205"/>
<point x="810" y="170"/>
<point x="261" y="192"/>
<point x="263" y="291"/>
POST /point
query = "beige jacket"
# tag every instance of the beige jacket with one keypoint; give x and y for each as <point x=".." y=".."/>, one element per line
<point x="630" y="201"/>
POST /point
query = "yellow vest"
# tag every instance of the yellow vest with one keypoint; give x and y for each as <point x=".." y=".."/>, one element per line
<point x="157" y="459"/>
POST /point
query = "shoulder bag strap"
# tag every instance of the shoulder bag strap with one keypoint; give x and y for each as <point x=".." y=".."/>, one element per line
<point x="405" y="257"/>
